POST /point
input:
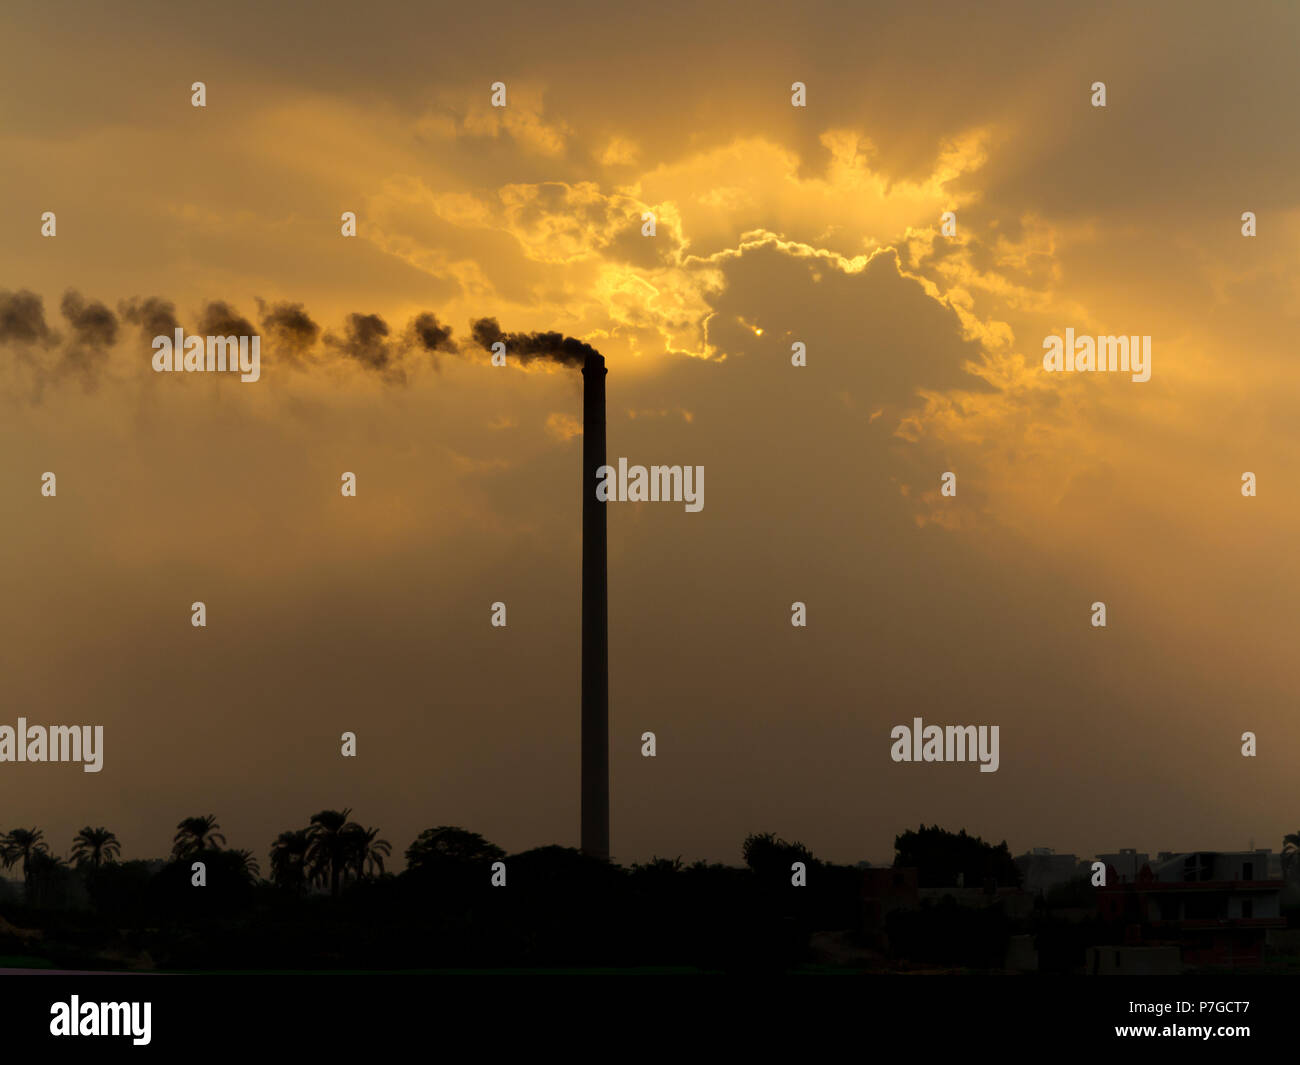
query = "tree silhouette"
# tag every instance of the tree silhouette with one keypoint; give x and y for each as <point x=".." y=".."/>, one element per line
<point x="196" y="834"/>
<point x="247" y="864"/>
<point x="446" y="845"/>
<point x="48" y="880"/>
<point x="659" y="867"/>
<point x="327" y="854"/>
<point x="941" y="856"/>
<point x="767" y="854"/>
<point x="95" y="846"/>
<point x="1291" y="856"/>
<point x="365" y="852"/>
<point x="289" y="859"/>
<point x="22" y="844"/>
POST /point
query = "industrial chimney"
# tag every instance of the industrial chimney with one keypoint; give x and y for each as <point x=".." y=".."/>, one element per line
<point x="595" y="619"/>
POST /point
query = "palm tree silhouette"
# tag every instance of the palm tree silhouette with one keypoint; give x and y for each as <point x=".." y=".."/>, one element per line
<point x="196" y="834"/>
<point x="23" y="843"/>
<point x="289" y="859"/>
<point x="365" y="851"/>
<point x="1290" y="855"/>
<point x="247" y="864"/>
<point x="328" y="851"/>
<point x="95" y="846"/>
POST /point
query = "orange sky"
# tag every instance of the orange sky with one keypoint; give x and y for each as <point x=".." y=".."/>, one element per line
<point x="774" y="224"/>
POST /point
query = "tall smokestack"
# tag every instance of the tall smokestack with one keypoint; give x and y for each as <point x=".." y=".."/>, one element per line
<point x="595" y="619"/>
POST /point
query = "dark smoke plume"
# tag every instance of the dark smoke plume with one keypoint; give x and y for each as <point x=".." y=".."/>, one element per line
<point x="153" y="316"/>
<point x="366" y="341"/>
<point x="94" y="331"/>
<point x="290" y="328"/>
<point x="287" y="328"/>
<point x="22" y="319"/>
<point x="527" y="347"/>
<point x="429" y="334"/>
<point x="219" y="319"/>
<point x="93" y="324"/>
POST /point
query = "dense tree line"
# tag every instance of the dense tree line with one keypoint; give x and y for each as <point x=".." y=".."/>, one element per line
<point x="331" y="901"/>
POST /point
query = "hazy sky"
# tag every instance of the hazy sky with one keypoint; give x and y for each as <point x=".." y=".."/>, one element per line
<point x="775" y="224"/>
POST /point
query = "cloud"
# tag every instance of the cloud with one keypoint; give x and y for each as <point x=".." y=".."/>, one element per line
<point x="563" y="426"/>
<point x="522" y="119"/>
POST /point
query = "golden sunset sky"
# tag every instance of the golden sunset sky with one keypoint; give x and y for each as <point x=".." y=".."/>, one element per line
<point x="775" y="224"/>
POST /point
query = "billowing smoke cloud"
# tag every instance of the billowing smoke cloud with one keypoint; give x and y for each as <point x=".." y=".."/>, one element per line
<point x="23" y="330"/>
<point x="527" y="347"/>
<point x="94" y="331"/>
<point x="290" y="329"/>
<point x="430" y="334"/>
<point x="22" y="319"/>
<point x="219" y="319"/>
<point x="155" y="317"/>
<point x="365" y="341"/>
<point x="93" y="324"/>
